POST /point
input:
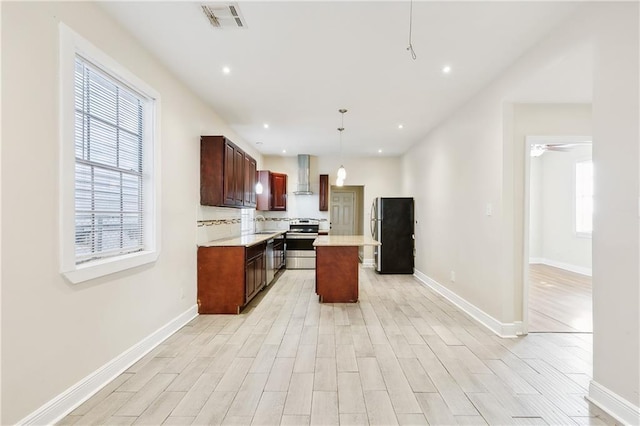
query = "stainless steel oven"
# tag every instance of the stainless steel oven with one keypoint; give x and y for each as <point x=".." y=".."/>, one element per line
<point x="300" y="251"/>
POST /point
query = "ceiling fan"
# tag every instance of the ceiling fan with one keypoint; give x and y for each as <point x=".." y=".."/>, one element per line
<point x="538" y="149"/>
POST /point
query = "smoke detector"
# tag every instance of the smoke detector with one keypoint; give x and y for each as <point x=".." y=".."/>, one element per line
<point x="224" y="15"/>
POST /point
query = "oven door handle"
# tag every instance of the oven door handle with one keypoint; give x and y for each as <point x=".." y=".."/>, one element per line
<point x="302" y="236"/>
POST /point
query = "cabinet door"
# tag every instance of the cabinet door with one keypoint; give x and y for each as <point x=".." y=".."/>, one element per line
<point x="279" y="191"/>
<point x="263" y="201"/>
<point x="256" y="276"/>
<point x="324" y="193"/>
<point x="250" y="177"/>
<point x="250" y="281"/>
<point x="212" y="150"/>
<point x="261" y="272"/>
<point x="229" y="179"/>
<point x="239" y="177"/>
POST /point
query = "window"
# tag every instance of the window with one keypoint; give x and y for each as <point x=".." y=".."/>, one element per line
<point x="109" y="179"/>
<point x="108" y="173"/>
<point x="584" y="197"/>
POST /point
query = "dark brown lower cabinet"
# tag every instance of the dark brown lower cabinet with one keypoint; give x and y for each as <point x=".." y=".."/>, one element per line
<point x="256" y="275"/>
<point x="278" y="254"/>
<point x="229" y="277"/>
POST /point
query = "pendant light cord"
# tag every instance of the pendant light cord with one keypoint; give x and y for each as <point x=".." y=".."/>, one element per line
<point x="341" y="129"/>
<point x="410" y="47"/>
<point x="342" y="173"/>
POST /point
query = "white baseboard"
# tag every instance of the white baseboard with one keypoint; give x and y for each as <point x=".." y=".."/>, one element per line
<point x="513" y="329"/>
<point x="67" y="401"/>
<point x="566" y="266"/>
<point x="613" y="404"/>
<point x="369" y="263"/>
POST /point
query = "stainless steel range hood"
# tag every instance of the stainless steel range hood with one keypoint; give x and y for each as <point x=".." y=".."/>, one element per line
<point x="304" y="171"/>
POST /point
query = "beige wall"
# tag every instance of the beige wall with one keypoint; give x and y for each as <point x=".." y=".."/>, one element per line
<point x="536" y="229"/>
<point x="616" y="153"/>
<point x="473" y="159"/>
<point x="1" y="314"/>
<point x="54" y="333"/>
<point x="453" y="174"/>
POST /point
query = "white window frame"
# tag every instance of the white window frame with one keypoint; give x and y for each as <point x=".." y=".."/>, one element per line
<point x="579" y="234"/>
<point x="71" y="45"/>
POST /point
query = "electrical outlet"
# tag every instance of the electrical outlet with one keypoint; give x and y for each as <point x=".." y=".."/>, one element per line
<point x="453" y="276"/>
<point x="488" y="209"/>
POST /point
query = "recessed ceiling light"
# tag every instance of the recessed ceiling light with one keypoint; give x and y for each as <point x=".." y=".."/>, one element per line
<point x="266" y="125"/>
<point x="400" y="126"/>
<point x="379" y="151"/>
<point x="284" y="151"/>
<point x="446" y="69"/>
<point x="226" y="70"/>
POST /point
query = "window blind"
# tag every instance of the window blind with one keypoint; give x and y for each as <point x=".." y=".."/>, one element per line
<point x="109" y="202"/>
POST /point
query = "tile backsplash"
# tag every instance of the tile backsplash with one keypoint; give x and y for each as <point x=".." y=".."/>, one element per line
<point x="215" y="223"/>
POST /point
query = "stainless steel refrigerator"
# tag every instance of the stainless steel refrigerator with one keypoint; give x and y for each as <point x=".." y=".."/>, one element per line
<point x="392" y="224"/>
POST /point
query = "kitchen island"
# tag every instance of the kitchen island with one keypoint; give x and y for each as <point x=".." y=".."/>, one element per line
<point x="337" y="266"/>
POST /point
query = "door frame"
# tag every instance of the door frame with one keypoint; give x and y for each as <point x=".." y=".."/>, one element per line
<point x="531" y="140"/>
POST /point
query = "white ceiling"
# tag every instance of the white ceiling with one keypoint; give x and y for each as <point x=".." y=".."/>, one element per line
<point x="297" y="63"/>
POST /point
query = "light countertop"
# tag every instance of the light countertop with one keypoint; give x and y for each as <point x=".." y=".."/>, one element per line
<point x="345" y="240"/>
<point x="243" y="240"/>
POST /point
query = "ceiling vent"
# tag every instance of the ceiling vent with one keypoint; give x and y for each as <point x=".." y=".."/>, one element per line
<point x="224" y="15"/>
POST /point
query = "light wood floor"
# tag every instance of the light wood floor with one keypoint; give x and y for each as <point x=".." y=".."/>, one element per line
<point x="403" y="355"/>
<point x="559" y="300"/>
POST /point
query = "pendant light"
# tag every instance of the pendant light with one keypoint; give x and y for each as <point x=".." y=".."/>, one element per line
<point x="342" y="172"/>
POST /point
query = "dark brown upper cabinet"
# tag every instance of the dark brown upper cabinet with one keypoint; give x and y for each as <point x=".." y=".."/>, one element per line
<point x="227" y="174"/>
<point x="250" y="179"/>
<point x="274" y="191"/>
<point x="324" y="193"/>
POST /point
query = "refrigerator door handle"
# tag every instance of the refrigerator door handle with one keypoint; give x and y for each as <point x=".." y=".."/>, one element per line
<point x="373" y="219"/>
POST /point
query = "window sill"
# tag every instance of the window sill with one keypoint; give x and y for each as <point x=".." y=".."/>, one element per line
<point x="101" y="268"/>
<point x="583" y="235"/>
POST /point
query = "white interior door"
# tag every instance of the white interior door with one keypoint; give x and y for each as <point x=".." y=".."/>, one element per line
<point x="343" y="208"/>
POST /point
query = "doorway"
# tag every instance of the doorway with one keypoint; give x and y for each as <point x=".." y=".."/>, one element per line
<point x="346" y="206"/>
<point x="558" y="217"/>
<point x="343" y="212"/>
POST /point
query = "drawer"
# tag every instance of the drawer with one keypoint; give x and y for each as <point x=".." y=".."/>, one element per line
<point x="256" y="250"/>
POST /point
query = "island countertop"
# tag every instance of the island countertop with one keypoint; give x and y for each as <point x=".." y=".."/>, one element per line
<point x="344" y="241"/>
